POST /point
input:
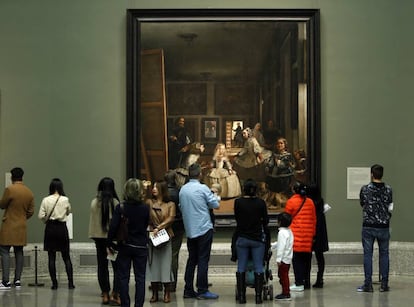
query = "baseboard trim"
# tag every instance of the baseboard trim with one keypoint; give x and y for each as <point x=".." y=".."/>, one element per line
<point x="343" y="258"/>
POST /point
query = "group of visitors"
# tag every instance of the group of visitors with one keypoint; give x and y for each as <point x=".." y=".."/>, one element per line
<point x="297" y="230"/>
<point x="302" y="230"/>
<point x="159" y="211"/>
<point x="18" y="202"/>
<point x="174" y="210"/>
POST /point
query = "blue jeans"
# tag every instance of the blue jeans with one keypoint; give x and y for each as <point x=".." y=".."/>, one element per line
<point x="382" y="235"/>
<point x="138" y="257"/>
<point x="249" y="249"/>
<point x="5" y="260"/>
<point x="198" y="255"/>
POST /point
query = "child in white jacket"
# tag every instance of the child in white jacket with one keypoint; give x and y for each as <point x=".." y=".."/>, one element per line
<point x="284" y="254"/>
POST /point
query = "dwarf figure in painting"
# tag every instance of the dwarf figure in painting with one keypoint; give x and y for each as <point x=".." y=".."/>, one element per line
<point x="280" y="169"/>
<point x="222" y="172"/>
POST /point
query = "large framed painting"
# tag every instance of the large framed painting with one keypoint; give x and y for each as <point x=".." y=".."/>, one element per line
<point x="217" y="69"/>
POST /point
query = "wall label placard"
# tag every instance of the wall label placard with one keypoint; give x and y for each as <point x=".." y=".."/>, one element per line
<point x="356" y="178"/>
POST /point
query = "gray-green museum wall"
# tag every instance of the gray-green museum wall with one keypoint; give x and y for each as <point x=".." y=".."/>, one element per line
<point x="63" y="97"/>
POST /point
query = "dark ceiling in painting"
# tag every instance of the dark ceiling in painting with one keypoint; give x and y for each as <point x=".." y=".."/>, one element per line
<point x="219" y="50"/>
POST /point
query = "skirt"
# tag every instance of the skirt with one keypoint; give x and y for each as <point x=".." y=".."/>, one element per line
<point x="56" y="237"/>
<point x="159" y="263"/>
<point x="230" y="184"/>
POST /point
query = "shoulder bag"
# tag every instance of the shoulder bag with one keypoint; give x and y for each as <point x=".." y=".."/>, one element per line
<point x="296" y="213"/>
<point x="122" y="232"/>
<point x="53" y="209"/>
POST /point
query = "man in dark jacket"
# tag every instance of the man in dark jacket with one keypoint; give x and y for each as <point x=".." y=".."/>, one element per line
<point x="376" y="202"/>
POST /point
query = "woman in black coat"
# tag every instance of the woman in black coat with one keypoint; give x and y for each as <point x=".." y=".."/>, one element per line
<point x="320" y="244"/>
<point x="134" y="250"/>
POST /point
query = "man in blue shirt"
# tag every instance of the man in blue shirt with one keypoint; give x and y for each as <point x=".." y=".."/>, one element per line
<point x="196" y="200"/>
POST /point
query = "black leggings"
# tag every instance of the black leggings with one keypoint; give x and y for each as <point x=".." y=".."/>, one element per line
<point x="320" y="260"/>
<point x="66" y="260"/>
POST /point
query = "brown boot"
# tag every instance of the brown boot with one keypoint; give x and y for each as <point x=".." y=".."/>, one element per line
<point x="154" y="287"/>
<point x="167" y="297"/>
<point x="115" y="299"/>
<point x="105" y="298"/>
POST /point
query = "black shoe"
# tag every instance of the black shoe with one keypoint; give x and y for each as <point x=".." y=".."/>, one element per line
<point x="384" y="289"/>
<point x="283" y="297"/>
<point x="189" y="294"/>
<point x="365" y="288"/>
<point x="318" y="284"/>
<point x="17" y="284"/>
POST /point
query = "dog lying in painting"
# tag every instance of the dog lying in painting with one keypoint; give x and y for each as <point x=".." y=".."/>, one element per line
<point x="273" y="200"/>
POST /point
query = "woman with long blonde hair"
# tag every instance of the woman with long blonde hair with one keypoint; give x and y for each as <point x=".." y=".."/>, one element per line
<point x="222" y="173"/>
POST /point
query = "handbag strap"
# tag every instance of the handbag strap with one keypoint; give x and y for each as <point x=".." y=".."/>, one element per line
<point x="303" y="202"/>
<point x="122" y="209"/>
<point x="50" y="214"/>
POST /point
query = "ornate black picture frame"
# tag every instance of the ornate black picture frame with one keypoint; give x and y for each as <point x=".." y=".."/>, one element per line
<point x="299" y="120"/>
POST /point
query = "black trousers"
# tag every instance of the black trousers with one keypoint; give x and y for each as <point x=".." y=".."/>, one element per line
<point x="302" y="267"/>
<point x="103" y="270"/>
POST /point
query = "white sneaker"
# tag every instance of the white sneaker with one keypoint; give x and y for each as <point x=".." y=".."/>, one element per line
<point x="5" y="286"/>
<point x="295" y="288"/>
